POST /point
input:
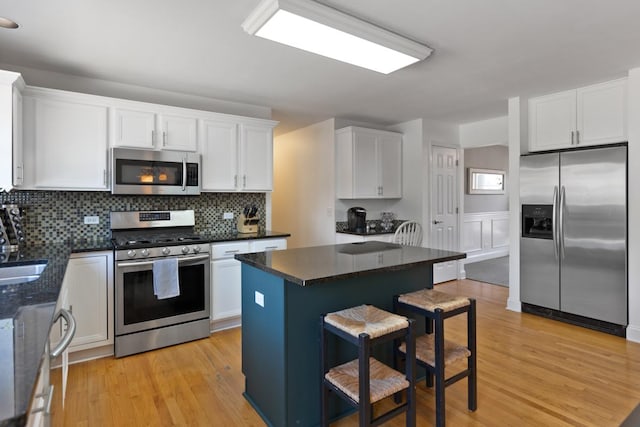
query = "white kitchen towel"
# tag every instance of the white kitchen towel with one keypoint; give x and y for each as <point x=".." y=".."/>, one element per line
<point x="165" y="278"/>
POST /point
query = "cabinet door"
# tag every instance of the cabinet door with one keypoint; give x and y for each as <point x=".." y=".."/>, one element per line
<point x="365" y="166"/>
<point x="226" y="279"/>
<point x="18" y="161"/>
<point x="602" y="113"/>
<point x="69" y="145"/>
<point x="86" y="281"/>
<point x="256" y="151"/>
<point x="390" y="165"/>
<point x="179" y="133"/>
<point x="219" y="149"/>
<point x="135" y="129"/>
<point x="552" y="121"/>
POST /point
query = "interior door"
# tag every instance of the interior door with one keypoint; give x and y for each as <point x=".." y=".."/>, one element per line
<point x="444" y="209"/>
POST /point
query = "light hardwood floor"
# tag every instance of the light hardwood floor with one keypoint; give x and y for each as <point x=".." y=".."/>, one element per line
<point x="531" y="372"/>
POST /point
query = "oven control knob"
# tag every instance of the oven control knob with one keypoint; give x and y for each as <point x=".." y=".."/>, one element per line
<point x="166" y="251"/>
<point x="185" y="250"/>
<point x="196" y="249"/>
<point x="144" y="252"/>
<point x="131" y="253"/>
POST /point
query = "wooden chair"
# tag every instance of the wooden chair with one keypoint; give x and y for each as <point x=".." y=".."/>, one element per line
<point x="364" y="381"/>
<point x="433" y="352"/>
<point x="408" y="233"/>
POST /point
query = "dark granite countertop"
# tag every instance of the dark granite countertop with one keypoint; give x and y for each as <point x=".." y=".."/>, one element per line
<point x="212" y="237"/>
<point x="28" y="309"/>
<point x="371" y="232"/>
<point x="314" y="265"/>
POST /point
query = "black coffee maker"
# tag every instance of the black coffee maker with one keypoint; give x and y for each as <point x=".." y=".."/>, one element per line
<point x="357" y="219"/>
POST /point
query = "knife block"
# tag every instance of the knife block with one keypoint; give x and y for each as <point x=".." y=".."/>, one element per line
<point x="248" y="225"/>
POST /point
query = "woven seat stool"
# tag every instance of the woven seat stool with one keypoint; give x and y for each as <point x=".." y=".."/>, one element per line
<point x="364" y="381"/>
<point x="433" y="352"/>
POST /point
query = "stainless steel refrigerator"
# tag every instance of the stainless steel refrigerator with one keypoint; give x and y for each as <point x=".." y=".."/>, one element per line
<point x="573" y="242"/>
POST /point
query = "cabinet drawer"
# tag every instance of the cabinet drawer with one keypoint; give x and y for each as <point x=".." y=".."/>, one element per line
<point x="268" y="245"/>
<point x="228" y="250"/>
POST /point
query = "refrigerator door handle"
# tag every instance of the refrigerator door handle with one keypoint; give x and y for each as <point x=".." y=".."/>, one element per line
<point x="554" y="222"/>
<point x="561" y="223"/>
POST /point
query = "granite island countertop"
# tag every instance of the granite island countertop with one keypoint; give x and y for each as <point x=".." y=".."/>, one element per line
<point x="318" y="264"/>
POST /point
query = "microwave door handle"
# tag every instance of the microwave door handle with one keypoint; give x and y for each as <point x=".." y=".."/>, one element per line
<point x="184" y="174"/>
<point x="554" y="222"/>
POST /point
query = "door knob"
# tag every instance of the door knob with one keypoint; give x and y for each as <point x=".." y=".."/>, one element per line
<point x="437" y="222"/>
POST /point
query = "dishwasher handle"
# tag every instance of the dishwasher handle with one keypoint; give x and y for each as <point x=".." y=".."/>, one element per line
<point x="68" y="336"/>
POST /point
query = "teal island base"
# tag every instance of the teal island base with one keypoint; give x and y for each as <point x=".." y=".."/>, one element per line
<point x="280" y="335"/>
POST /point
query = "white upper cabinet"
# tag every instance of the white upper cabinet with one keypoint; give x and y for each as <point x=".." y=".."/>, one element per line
<point x="368" y="164"/>
<point x="65" y="142"/>
<point x="256" y="158"/>
<point x="11" y="167"/>
<point x="237" y="156"/>
<point x="590" y="115"/>
<point x="134" y="129"/>
<point x="153" y="130"/>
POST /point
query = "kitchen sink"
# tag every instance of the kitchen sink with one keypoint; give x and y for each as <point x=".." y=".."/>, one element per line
<point x="11" y="275"/>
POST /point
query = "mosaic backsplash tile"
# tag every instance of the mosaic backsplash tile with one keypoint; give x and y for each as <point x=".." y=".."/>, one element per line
<point x="58" y="216"/>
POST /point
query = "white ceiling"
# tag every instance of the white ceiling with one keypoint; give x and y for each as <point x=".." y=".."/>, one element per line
<point x="485" y="52"/>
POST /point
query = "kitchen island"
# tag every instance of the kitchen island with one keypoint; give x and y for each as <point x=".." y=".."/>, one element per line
<point x="284" y="293"/>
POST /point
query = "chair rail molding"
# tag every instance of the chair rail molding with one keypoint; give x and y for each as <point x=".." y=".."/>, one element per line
<point x="485" y="235"/>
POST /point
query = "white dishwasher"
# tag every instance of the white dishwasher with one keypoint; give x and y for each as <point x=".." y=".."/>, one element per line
<point x="226" y="281"/>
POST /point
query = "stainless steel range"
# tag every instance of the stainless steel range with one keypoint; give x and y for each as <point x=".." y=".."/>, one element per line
<point x="161" y="280"/>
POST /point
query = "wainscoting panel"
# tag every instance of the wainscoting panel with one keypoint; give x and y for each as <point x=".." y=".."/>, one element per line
<point x="485" y="235"/>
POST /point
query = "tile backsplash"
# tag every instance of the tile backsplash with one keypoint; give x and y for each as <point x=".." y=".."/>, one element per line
<point x="58" y="216"/>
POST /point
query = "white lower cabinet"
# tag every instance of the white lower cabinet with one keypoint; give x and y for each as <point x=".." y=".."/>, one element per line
<point x="353" y="238"/>
<point x="38" y="415"/>
<point x="226" y="278"/>
<point x="87" y="292"/>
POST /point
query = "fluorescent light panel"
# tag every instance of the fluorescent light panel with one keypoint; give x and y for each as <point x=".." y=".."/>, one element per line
<point x="319" y="29"/>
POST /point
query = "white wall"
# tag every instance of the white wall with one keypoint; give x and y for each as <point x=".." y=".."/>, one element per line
<point x="48" y="79"/>
<point x="517" y="139"/>
<point x="488" y="157"/>
<point x="633" y="212"/>
<point x="303" y="196"/>
<point x="485" y="132"/>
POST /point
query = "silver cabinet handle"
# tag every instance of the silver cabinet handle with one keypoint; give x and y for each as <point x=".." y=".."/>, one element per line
<point x="577" y="137"/>
<point x="153" y="137"/>
<point x="164" y="139"/>
<point x="572" y="139"/>
<point x="104" y="176"/>
<point x="435" y="221"/>
<point x="244" y="181"/>
<point x="68" y="336"/>
<point x="270" y="248"/>
<point x="235" y="181"/>
<point x="235" y="251"/>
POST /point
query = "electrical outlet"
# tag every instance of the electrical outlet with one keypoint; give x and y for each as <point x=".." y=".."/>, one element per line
<point x="260" y="299"/>
<point x="92" y="219"/>
<point x="227" y="215"/>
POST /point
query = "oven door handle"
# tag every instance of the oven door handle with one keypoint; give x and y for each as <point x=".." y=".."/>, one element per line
<point x="144" y="263"/>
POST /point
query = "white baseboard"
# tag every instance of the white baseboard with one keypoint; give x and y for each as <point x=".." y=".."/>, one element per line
<point x="514" y="305"/>
<point x="226" y="323"/>
<point x="633" y="333"/>
<point x="85" y="355"/>
<point x="485" y="255"/>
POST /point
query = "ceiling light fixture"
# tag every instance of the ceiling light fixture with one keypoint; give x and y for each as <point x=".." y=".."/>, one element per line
<point x="320" y="29"/>
<point x="7" y="23"/>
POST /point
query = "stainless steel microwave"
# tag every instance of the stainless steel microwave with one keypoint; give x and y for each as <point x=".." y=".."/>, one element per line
<point x="154" y="172"/>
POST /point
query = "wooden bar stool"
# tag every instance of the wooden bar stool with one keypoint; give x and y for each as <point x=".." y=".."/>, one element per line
<point x="364" y="381"/>
<point x="433" y="352"/>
